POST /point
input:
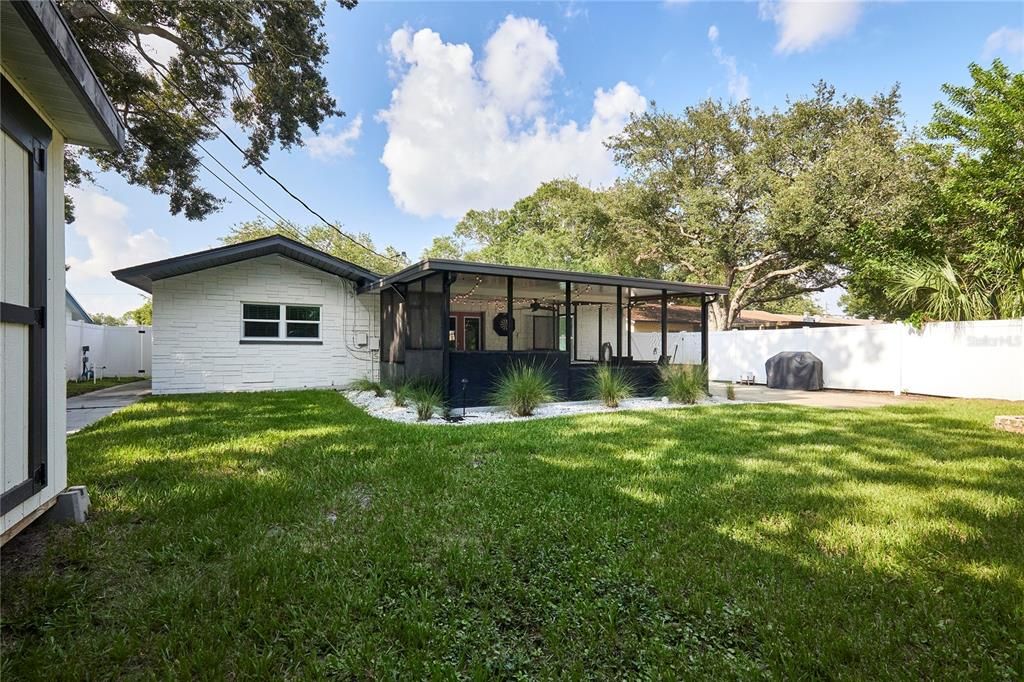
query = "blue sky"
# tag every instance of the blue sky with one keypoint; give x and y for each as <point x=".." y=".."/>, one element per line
<point x="472" y="104"/>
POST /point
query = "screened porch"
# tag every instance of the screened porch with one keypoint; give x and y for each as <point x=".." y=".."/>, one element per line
<point x="461" y="324"/>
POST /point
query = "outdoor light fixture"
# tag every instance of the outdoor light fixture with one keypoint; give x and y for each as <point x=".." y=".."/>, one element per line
<point x="465" y="382"/>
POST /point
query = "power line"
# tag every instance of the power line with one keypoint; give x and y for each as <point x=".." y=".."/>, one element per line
<point x="284" y="225"/>
<point x="259" y="166"/>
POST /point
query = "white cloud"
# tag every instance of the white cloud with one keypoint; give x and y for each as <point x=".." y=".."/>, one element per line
<point x="1005" y="40"/>
<point x="804" y="24"/>
<point x="103" y="222"/>
<point x="520" y="60"/>
<point x="473" y="134"/>
<point x="574" y="11"/>
<point x="330" y="145"/>
<point x="739" y="84"/>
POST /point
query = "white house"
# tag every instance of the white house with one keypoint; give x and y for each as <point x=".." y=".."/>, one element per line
<point x="50" y="98"/>
<point x="273" y="313"/>
<point x="267" y="314"/>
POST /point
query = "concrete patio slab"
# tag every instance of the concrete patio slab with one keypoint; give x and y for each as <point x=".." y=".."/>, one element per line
<point x="87" y="409"/>
<point x="826" y="398"/>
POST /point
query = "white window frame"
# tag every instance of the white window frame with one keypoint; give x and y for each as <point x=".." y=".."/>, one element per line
<point x="282" y="323"/>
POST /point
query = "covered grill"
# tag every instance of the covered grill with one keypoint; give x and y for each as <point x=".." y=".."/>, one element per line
<point x="794" y="369"/>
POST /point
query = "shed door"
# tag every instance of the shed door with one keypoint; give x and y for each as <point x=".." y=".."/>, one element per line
<point x="22" y="301"/>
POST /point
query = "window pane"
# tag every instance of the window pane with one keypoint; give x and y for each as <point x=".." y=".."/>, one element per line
<point x="303" y="313"/>
<point x="301" y="330"/>
<point x="472" y="333"/>
<point x="256" y="311"/>
<point x="261" y="329"/>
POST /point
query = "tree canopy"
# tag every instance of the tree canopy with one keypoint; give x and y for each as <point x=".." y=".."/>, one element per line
<point x="779" y="204"/>
<point x="259" y="61"/>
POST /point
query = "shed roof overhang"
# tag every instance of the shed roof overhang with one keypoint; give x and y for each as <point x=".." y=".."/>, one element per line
<point x="41" y="54"/>
<point x="143" y="276"/>
<point x="427" y="267"/>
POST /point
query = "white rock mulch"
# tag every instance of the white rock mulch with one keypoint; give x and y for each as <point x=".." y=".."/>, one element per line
<point x="384" y="408"/>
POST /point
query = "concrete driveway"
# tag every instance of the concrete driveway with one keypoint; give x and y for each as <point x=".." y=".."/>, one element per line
<point x="84" y="410"/>
<point x="825" y="398"/>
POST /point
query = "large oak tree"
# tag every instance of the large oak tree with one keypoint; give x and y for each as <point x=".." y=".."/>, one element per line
<point x="260" y="62"/>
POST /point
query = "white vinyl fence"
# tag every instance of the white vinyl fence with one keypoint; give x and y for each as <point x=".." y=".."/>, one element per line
<point x="983" y="359"/>
<point x="113" y="351"/>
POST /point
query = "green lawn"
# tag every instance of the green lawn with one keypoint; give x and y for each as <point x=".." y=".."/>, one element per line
<point x="80" y="387"/>
<point x="290" y="535"/>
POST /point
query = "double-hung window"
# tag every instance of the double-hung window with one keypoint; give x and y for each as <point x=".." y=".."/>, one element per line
<point x="280" y="322"/>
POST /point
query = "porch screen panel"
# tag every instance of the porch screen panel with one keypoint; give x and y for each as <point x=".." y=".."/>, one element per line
<point x="425" y="308"/>
<point x="392" y="327"/>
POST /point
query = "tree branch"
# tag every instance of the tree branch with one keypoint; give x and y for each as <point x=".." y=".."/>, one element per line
<point x="760" y="261"/>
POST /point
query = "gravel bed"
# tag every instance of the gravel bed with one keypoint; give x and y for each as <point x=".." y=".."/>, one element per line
<point x="384" y="408"/>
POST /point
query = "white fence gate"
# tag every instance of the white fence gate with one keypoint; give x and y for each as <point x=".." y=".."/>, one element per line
<point x="983" y="359"/>
<point x="113" y="351"/>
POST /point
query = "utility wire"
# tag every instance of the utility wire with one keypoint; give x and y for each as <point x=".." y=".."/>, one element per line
<point x="283" y="224"/>
<point x="259" y="166"/>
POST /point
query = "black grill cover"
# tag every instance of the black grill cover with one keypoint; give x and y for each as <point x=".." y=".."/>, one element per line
<point x="791" y="369"/>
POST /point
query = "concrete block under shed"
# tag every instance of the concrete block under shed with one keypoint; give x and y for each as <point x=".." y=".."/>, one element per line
<point x="72" y="506"/>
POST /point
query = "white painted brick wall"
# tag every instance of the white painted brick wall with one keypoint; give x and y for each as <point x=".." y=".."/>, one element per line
<point x="197" y="328"/>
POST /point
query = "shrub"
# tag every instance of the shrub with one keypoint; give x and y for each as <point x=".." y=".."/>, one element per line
<point x="365" y="384"/>
<point x="730" y="391"/>
<point x="428" y="399"/>
<point x="521" y="388"/>
<point x="683" y="383"/>
<point x="609" y="386"/>
<point x="401" y="393"/>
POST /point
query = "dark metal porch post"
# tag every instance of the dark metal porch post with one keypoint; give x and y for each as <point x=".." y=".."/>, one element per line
<point x="664" y="323"/>
<point x="600" y="329"/>
<point x="704" y="303"/>
<point x="568" y="319"/>
<point x="618" y="322"/>
<point x="629" y="327"/>
<point x="446" y="306"/>
<point x="511" y="321"/>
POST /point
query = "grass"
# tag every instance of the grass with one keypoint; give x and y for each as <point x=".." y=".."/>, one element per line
<point x="289" y="535"/>
<point x="81" y="387"/>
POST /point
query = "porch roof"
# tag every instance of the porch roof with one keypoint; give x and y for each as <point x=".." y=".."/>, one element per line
<point x="432" y="265"/>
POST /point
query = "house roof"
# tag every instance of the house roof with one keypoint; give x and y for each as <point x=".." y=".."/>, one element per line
<point x="682" y="313"/>
<point x="432" y="265"/>
<point x="143" y="276"/>
<point x="40" y="53"/>
<point x="76" y="307"/>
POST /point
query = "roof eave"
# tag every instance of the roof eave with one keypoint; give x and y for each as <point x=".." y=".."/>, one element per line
<point x="62" y="60"/>
<point x="424" y="267"/>
<point x="142" y="276"/>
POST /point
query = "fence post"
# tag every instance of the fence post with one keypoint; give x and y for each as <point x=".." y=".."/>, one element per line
<point x="901" y="333"/>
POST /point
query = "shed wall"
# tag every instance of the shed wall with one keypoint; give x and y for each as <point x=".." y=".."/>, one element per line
<point x="56" y="449"/>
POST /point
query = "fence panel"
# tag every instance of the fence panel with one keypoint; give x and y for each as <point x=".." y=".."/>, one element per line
<point x="983" y="359"/>
<point x="113" y="351"/>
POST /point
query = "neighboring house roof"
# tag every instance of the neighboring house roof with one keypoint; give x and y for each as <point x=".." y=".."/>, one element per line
<point x="691" y="314"/>
<point x="143" y="276"/>
<point x="78" y="313"/>
<point x="426" y="267"/>
<point x="41" y="54"/>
